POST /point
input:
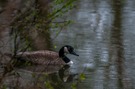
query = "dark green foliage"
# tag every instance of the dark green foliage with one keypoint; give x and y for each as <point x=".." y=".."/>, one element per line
<point x="34" y="22"/>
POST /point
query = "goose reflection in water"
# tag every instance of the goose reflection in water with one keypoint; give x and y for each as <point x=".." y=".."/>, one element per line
<point x="65" y="75"/>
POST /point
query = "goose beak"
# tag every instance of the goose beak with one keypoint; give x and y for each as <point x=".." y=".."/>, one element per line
<point x="74" y="53"/>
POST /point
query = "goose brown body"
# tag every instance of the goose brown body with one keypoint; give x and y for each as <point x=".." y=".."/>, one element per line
<point x="47" y="57"/>
<point x="41" y="57"/>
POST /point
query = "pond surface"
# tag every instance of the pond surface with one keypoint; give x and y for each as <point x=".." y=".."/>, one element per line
<point x="103" y="36"/>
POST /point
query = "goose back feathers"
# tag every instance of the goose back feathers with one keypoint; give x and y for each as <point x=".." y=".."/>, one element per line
<point x="40" y="57"/>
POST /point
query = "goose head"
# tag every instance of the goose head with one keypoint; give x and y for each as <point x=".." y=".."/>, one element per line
<point x="67" y="49"/>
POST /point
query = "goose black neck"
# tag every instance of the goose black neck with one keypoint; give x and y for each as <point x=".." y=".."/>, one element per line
<point x="61" y="55"/>
<point x="66" y="59"/>
<point x="61" y="52"/>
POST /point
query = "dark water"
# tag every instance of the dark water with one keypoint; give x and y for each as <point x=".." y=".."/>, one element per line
<point x="103" y="35"/>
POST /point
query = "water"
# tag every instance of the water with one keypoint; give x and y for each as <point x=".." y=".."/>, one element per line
<point x="103" y="36"/>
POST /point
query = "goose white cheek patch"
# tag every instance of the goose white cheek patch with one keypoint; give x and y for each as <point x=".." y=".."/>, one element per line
<point x="66" y="50"/>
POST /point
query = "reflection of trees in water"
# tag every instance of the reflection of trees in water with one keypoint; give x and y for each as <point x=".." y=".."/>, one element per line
<point x="24" y="25"/>
<point x="117" y="48"/>
<point x="46" y="78"/>
<point x="117" y="41"/>
<point x="30" y="27"/>
<point x="18" y="23"/>
<point x="18" y="29"/>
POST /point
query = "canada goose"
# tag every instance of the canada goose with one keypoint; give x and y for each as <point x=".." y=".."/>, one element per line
<point x="47" y="57"/>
